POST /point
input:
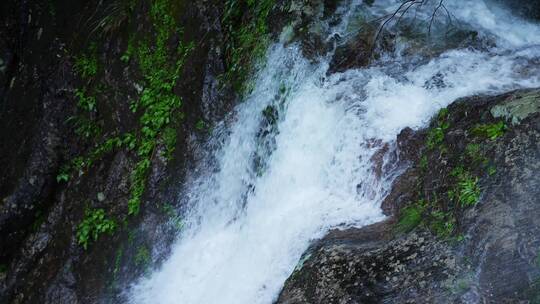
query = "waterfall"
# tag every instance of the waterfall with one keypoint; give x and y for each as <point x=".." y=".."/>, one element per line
<point x="296" y="158"/>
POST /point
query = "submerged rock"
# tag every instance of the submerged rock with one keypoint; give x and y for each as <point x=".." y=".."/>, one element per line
<point x="492" y="253"/>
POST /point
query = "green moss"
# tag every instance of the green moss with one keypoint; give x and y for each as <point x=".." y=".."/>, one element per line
<point x="131" y="237"/>
<point x="469" y="192"/>
<point x="245" y="24"/>
<point x="138" y="180"/>
<point x="442" y="223"/>
<point x="168" y="209"/>
<point x="473" y="150"/>
<point x="411" y="217"/>
<point x="271" y="114"/>
<point x="169" y="139"/>
<point x="93" y="225"/>
<point x="426" y="214"/>
<point x="130" y="50"/>
<point x="118" y="260"/>
<point x="435" y="136"/>
<point x="200" y="125"/>
<point x="51" y="8"/>
<point x="462" y="285"/>
<point x="142" y="257"/>
<point x="443" y="115"/>
<point x="173" y="216"/>
<point x="423" y="162"/>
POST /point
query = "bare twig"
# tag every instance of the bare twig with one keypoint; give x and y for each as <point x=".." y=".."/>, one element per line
<point x="433" y="16"/>
<point x="392" y="16"/>
<point x="405" y="10"/>
<point x="402" y="10"/>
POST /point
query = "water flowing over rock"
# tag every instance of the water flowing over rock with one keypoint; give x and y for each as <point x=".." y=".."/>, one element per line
<point x="287" y="151"/>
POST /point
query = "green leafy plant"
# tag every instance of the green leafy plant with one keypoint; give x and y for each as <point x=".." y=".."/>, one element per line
<point x="93" y="225"/>
<point x="491" y="131"/>
<point x="86" y="65"/>
<point x="81" y="163"/>
<point x="469" y="192"/>
<point x="160" y="57"/>
<point x="63" y="175"/>
<point x="427" y="214"/>
<point x="84" y="127"/>
<point x="466" y="192"/>
<point x="86" y="102"/>
<point x="161" y="67"/>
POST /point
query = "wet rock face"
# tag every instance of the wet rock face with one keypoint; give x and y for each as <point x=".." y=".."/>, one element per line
<point x="504" y="230"/>
<point x="40" y="258"/>
<point x="526" y="9"/>
<point x="355" y="53"/>
<point x="372" y="269"/>
<point x="495" y="259"/>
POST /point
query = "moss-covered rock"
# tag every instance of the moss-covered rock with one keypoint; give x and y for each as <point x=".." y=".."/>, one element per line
<point x="518" y="107"/>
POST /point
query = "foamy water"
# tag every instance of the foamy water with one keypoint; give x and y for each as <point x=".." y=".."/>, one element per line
<point x="250" y="221"/>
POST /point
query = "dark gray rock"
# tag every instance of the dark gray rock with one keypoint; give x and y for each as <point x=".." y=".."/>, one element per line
<point x="526" y="9"/>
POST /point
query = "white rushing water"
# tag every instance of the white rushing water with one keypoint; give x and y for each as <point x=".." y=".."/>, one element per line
<point x="272" y="192"/>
